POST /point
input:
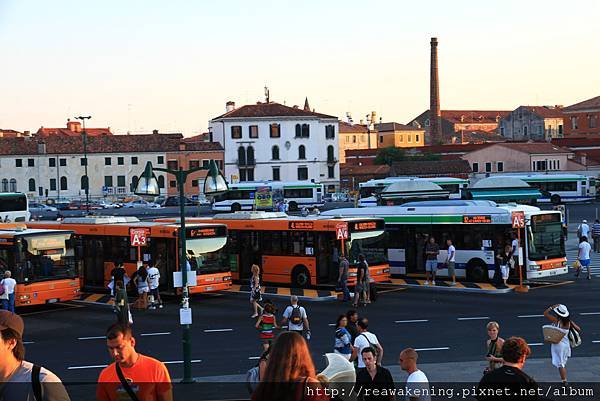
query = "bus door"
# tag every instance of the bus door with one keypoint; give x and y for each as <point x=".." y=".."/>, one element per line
<point x="249" y="253"/>
<point x="324" y="249"/>
<point x="165" y="259"/>
<point x="415" y="241"/>
<point x="90" y="251"/>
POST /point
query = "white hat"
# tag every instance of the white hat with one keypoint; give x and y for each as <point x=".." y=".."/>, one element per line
<point x="584" y="220"/>
<point x="561" y="310"/>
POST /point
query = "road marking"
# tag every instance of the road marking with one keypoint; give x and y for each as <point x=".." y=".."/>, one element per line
<point x="92" y="338"/>
<point x="432" y="349"/>
<point x="177" y="362"/>
<point x="526" y="316"/>
<point x="535" y="344"/>
<point x="86" y="367"/>
<point x="596" y="342"/>
<point x="166" y="333"/>
<point x="216" y="330"/>
<point x="331" y="324"/>
<point x="474" y="318"/>
<point x="253" y="357"/>
<point x="589" y="313"/>
<point x="28" y="342"/>
<point x="412" y="321"/>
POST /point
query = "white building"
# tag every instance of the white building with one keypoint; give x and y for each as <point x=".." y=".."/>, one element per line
<point x="270" y="141"/>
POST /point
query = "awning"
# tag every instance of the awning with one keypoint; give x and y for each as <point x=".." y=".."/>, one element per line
<point x="506" y="194"/>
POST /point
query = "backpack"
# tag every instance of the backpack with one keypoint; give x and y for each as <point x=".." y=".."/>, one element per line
<point x="296" y="316"/>
<point x="35" y="382"/>
<point x="252" y="379"/>
<point x="374" y="346"/>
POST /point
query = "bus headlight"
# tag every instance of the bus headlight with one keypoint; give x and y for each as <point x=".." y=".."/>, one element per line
<point x="386" y="270"/>
<point x="534" y="267"/>
<point x="564" y="263"/>
<point x="24" y="297"/>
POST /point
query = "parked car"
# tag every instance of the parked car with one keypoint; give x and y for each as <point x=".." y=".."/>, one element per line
<point x="108" y="205"/>
<point x="203" y="201"/>
<point x="174" y="201"/>
<point x="35" y="207"/>
<point x="81" y="205"/>
<point x="141" y="204"/>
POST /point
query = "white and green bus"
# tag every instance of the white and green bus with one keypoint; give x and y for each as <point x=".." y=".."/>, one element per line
<point x="298" y="194"/>
<point x="560" y="188"/>
<point x="369" y="190"/>
<point x="478" y="230"/>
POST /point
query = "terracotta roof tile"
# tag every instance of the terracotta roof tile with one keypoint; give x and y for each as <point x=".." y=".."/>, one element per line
<point x="535" y="147"/>
<point x="589" y="104"/>
<point x="474" y="116"/>
<point x="44" y="132"/>
<point x="373" y="169"/>
<point x="270" y="110"/>
<point x="545" y="111"/>
<point x="393" y="126"/>
<point x="583" y="141"/>
<point x="346" y="128"/>
<point x="431" y="168"/>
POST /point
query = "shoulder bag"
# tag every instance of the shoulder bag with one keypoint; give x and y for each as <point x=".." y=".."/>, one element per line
<point x="125" y="383"/>
<point x="574" y="337"/>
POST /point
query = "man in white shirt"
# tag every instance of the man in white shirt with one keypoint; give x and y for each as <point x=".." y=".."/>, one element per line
<point x="296" y="318"/>
<point x="584" y="229"/>
<point x="8" y="297"/>
<point x="451" y="260"/>
<point x="417" y="384"/>
<point x="153" y="283"/>
<point x="366" y="339"/>
<point x="584" y="256"/>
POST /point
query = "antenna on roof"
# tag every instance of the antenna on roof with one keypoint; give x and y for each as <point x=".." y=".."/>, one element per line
<point x="266" y="93"/>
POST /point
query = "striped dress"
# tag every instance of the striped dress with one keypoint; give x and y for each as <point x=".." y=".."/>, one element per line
<point x="267" y="324"/>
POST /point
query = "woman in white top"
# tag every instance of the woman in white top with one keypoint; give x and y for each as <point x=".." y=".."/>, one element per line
<point x="8" y="296"/>
<point x="559" y="315"/>
<point x="255" y="294"/>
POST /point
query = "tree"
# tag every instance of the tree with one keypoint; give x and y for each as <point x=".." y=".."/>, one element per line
<point x="390" y="155"/>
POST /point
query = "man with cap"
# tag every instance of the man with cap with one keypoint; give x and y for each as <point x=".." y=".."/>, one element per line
<point x="19" y="379"/>
<point x="584" y="229"/>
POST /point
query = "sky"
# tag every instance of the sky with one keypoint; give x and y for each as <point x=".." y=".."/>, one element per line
<point x="172" y="65"/>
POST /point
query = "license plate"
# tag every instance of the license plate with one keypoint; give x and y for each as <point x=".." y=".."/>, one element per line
<point x="209" y="288"/>
<point x="52" y="300"/>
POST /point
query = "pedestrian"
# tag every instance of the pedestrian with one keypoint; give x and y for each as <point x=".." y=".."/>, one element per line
<point x="286" y="206"/>
<point x="343" y="339"/>
<point x="361" y="279"/>
<point x="255" y="291"/>
<point x="266" y="324"/>
<point x="509" y="379"/>
<point x="431" y="253"/>
<point x="22" y="380"/>
<point x="417" y="383"/>
<point x="131" y="374"/>
<point x="352" y="325"/>
<point x="366" y="280"/>
<point x="366" y="339"/>
<point x="514" y="262"/>
<point x="296" y="318"/>
<point x="140" y="279"/>
<point x="493" y="345"/>
<point x="8" y="296"/>
<point x="153" y="284"/>
<point x="504" y="260"/>
<point x="373" y="380"/>
<point x="343" y="269"/>
<point x="559" y="315"/>
<point x="290" y="373"/>
<point x="585" y="249"/>
<point x="451" y="261"/>
<point x="118" y="277"/>
<point x="584" y="229"/>
<point x="596" y="235"/>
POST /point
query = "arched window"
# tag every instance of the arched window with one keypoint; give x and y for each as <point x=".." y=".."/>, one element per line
<point x="31" y="185"/>
<point x="305" y="130"/>
<point x="13" y="185"/>
<point x="275" y="152"/>
<point x="4" y="185"/>
<point x="250" y="156"/>
<point x="241" y="156"/>
<point x="301" y="152"/>
<point x="298" y="130"/>
<point x="330" y="155"/>
<point x="84" y="182"/>
<point x="63" y="183"/>
<point x="161" y="181"/>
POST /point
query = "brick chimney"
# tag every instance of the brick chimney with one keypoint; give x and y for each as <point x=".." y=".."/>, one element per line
<point x="74" y="126"/>
<point x="435" y="121"/>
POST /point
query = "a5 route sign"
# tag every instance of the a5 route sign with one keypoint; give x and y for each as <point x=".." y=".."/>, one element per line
<point x="518" y="219"/>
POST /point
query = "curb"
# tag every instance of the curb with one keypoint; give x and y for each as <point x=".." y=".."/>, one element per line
<point x="480" y="288"/>
<point x="305" y="295"/>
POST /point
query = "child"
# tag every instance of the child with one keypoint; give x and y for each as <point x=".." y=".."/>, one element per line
<point x="266" y="324"/>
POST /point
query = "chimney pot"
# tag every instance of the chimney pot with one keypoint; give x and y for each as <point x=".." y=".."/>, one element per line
<point x="154" y="132"/>
<point x="229" y="106"/>
<point x="74" y="126"/>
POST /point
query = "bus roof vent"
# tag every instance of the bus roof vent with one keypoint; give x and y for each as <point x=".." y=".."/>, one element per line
<point x="101" y="220"/>
<point x="250" y="215"/>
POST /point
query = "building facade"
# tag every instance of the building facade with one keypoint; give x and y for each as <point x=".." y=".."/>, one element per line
<point x="583" y="118"/>
<point x="355" y="136"/>
<point x="271" y="141"/>
<point x="399" y="135"/>
<point x="538" y="123"/>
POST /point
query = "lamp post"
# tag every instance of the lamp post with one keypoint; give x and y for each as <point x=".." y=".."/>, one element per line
<point x="87" y="180"/>
<point x="213" y="184"/>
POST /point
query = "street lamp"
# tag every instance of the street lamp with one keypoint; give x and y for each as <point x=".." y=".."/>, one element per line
<point x="213" y="184"/>
<point x="87" y="180"/>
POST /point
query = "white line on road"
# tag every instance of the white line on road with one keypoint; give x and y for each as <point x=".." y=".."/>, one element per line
<point x="596" y="342"/>
<point x="165" y="333"/>
<point x="474" y="318"/>
<point x="177" y="362"/>
<point x="535" y="344"/>
<point x="432" y="349"/>
<point x="216" y="330"/>
<point x="253" y="357"/>
<point x="86" y="367"/>
<point x="331" y="324"/>
<point x="589" y="313"/>
<point x="412" y="321"/>
<point x="526" y="316"/>
<point x="92" y="338"/>
<point x="28" y="342"/>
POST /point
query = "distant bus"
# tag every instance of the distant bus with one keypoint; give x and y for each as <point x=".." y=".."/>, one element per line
<point x="41" y="261"/>
<point x="100" y="242"/>
<point x="369" y="189"/>
<point x="299" y="251"/>
<point x="14" y="207"/>
<point x="561" y="188"/>
<point x="297" y="194"/>
<point x="478" y="229"/>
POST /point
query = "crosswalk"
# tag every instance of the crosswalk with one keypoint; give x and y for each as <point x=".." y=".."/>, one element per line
<point x="572" y="252"/>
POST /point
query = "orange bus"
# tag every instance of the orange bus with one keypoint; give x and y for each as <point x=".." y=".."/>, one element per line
<point x="101" y="241"/>
<point x="299" y="251"/>
<point x="42" y="263"/>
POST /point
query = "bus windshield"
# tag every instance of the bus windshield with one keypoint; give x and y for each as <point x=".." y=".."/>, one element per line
<point x="372" y="246"/>
<point x="546" y="241"/>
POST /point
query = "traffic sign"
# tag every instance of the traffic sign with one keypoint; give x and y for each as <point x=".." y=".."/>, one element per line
<point x="341" y="231"/>
<point x="518" y="219"/>
<point x="138" y="236"/>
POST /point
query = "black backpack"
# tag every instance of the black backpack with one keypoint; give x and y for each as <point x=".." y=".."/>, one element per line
<point x="296" y="316"/>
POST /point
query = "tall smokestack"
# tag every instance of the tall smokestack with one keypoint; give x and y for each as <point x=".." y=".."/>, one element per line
<point x="435" y="121"/>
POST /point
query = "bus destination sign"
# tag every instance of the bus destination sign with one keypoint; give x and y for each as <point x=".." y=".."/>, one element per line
<point x="301" y="225"/>
<point x="477" y="219"/>
<point x="365" y="226"/>
<point x="205" y="232"/>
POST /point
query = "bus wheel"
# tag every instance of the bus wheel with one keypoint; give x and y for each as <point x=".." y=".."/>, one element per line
<point x="236" y="207"/>
<point x="300" y="277"/>
<point x="293" y="206"/>
<point x="476" y="271"/>
<point x="555" y="199"/>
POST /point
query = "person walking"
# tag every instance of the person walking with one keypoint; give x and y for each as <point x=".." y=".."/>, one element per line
<point x="559" y="315"/>
<point x="584" y="257"/>
<point x="493" y="345"/>
<point x="131" y="375"/>
<point x="266" y="324"/>
<point x="343" y="269"/>
<point x="119" y="277"/>
<point x="366" y="339"/>
<point x="153" y="284"/>
<point x="361" y="273"/>
<point x="451" y="261"/>
<point x="432" y="251"/>
<point x="290" y="373"/>
<point x="373" y="380"/>
<point x="343" y="339"/>
<point x="296" y="318"/>
<point x="352" y="325"/>
<point x="22" y="380"/>
<point x="596" y="235"/>
<point x="255" y="291"/>
<point x="584" y="229"/>
<point x="504" y="260"/>
<point x="366" y="280"/>
<point x="140" y="279"/>
<point x="417" y="382"/>
<point x="8" y="296"/>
